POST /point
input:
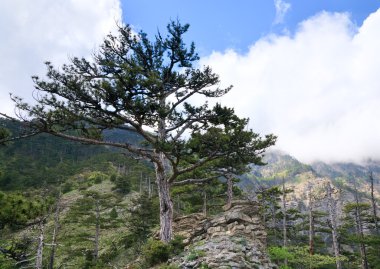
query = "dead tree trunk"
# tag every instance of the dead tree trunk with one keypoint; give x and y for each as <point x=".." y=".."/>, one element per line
<point x="204" y="203"/>
<point x="311" y="222"/>
<point x="97" y="230"/>
<point x="334" y="232"/>
<point x="273" y="212"/>
<point x="149" y="188"/>
<point x="40" y="245"/>
<point x="373" y="203"/>
<point x="55" y="232"/>
<point x="284" y="228"/>
<point x="141" y="179"/>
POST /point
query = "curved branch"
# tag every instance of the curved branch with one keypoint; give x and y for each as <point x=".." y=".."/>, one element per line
<point x="147" y="153"/>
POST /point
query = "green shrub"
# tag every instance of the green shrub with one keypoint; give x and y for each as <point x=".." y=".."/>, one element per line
<point x="155" y="252"/>
<point x="195" y="254"/>
<point x="67" y="187"/>
<point x="177" y="245"/>
<point x="299" y="257"/>
<point x="122" y="184"/>
<point x="113" y="214"/>
<point x="168" y="267"/>
<point x="113" y="177"/>
<point x="204" y="266"/>
<point x="96" y="177"/>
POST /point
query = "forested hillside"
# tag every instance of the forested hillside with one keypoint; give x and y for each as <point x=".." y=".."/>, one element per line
<point x="311" y="206"/>
<point x="97" y="208"/>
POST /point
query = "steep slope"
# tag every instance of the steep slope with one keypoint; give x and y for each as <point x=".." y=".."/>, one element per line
<point x="46" y="160"/>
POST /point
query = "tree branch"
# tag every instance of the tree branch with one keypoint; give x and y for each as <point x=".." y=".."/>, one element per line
<point x="192" y="181"/>
<point x="147" y="153"/>
<point x="19" y="137"/>
<point x="176" y="172"/>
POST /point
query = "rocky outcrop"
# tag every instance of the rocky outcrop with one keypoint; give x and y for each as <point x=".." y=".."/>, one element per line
<point x="234" y="239"/>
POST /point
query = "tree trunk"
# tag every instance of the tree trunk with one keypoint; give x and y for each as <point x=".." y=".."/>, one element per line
<point x="141" y="179"/>
<point x="263" y="209"/>
<point x="334" y="232"/>
<point x="311" y="223"/>
<point x="273" y="211"/>
<point x="230" y="185"/>
<point x="40" y="245"/>
<point x="54" y="237"/>
<point x="284" y="217"/>
<point x="149" y="188"/>
<point x="359" y="230"/>
<point x="204" y="203"/>
<point x="166" y="204"/>
<point x="373" y="202"/>
<point x="97" y="230"/>
<point x="363" y="254"/>
<point x="163" y="185"/>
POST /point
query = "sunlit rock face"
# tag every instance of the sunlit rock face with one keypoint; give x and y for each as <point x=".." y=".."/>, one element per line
<point x="235" y="238"/>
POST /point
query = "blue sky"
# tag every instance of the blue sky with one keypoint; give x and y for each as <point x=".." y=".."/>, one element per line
<point x="305" y="70"/>
<point x="219" y="25"/>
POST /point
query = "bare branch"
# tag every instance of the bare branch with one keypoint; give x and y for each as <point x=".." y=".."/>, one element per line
<point x="18" y="137"/>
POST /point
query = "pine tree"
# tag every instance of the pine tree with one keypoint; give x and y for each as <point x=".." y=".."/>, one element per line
<point x="133" y="83"/>
<point x="142" y="218"/>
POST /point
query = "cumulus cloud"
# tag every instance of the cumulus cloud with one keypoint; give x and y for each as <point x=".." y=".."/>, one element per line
<point x="282" y="8"/>
<point x="36" y="31"/>
<point x="318" y="89"/>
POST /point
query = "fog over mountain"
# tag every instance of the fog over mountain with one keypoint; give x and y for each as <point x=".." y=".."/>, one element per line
<point x="317" y="88"/>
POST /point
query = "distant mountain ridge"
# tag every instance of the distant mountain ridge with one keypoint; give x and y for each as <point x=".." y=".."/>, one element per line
<point x="280" y="164"/>
<point x="299" y="177"/>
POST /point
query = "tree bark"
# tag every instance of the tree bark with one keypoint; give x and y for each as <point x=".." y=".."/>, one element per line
<point x="334" y="232"/>
<point x="230" y="185"/>
<point x="166" y="204"/>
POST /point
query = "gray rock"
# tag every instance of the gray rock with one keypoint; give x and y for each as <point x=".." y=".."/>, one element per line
<point x="233" y="239"/>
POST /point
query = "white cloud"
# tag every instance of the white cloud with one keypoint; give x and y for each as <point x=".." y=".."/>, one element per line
<point x="282" y="8"/>
<point x="36" y="31"/>
<point x="318" y="89"/>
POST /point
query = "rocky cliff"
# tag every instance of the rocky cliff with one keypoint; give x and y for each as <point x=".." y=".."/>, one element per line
<point x="234" y="239"/>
